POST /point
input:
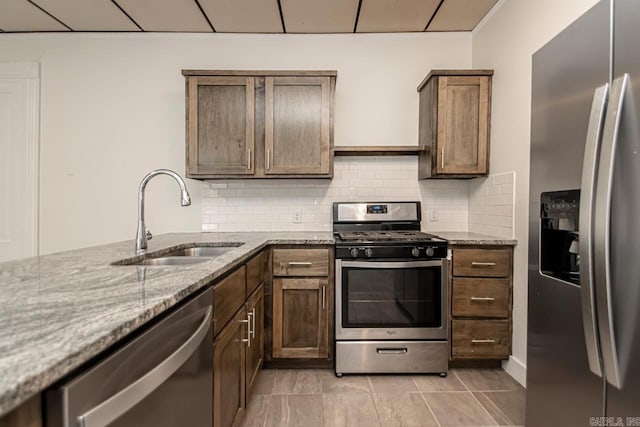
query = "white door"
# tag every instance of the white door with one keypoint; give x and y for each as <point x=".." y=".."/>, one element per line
<point x="19" y="125"/>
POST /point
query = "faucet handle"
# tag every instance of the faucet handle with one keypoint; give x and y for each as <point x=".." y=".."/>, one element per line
<point x="148" y="233"/>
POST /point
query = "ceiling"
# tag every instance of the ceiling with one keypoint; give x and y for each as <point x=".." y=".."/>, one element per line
<point x="243" y="16"/>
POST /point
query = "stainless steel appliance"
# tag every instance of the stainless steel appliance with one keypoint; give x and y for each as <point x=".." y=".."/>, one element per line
<point x="391" y="290"/>
<point x="163" y="378"/>
<point x="583" y="359"/>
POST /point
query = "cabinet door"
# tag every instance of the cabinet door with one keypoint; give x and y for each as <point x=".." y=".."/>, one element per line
<point x="229" y="352"/>
<point x="220" y="125"/>
<point x="255" y="349"/>
<point x="463" y="125"/>
<point x="297" y="125"/>
<point x="300" y="318"/>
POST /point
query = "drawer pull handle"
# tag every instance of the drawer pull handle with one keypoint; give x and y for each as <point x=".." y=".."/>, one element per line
<point x="487" y="341"/>
<point x="391" y="350"/>
<point x="300" y="263"/>
<point x="483" y="264"/>
<point x="483" y="299"/>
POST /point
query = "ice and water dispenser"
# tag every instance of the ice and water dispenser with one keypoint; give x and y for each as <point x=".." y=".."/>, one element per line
<point x="559" y="235"/>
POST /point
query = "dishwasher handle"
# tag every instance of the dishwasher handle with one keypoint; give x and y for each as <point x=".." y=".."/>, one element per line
<point x="112" y="408"/>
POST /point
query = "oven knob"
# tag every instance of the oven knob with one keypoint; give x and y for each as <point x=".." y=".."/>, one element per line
<point x="368" y="252"/>
<point x="415" y="252"/>
<point x="429" y="252"/>
<point x="353" y="252"/>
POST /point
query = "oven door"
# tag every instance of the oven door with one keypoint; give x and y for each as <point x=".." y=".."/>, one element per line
<point x="391" y="300"/>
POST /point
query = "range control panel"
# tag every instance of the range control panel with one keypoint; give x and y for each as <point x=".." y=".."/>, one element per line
<point x="392" y="252"/>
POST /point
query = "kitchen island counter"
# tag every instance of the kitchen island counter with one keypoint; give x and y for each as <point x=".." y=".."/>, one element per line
<point x="59" y="311"/>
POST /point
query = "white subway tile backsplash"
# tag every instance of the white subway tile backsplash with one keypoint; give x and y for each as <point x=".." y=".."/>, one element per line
<point x="491" y="205"/>
<point x="480" y="205"/>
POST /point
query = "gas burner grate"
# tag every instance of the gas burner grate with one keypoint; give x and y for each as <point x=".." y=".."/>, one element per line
<point x="385" y="236"/>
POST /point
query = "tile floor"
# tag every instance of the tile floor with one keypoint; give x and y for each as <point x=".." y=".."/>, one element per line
<point x="313" y="397"/>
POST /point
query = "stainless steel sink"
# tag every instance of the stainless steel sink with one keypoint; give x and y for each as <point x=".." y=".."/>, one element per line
<point x="206" y="251"/>
<point x="173" y="260"/>
<point x="185" y="256"/>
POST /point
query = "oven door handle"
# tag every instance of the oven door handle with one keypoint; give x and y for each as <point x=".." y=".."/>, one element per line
<point x="393" y="264"/>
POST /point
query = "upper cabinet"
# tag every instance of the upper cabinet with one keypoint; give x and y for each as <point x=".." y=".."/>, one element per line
<point x="259" y="124"/>
<point x="454" y="123"/>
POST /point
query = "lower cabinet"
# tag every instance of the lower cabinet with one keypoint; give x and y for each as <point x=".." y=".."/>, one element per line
<point x="238" y="349"/>
<point x="229" y="353"/>
<point x="300" y="318"/>
<point x="481" y="294"/>
<point x="255" y="347"/>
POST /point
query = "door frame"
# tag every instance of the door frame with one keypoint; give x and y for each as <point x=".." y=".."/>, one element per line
<point x="29" y="73"/>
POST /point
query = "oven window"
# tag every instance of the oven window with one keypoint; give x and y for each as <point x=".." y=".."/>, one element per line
<point x="394" y="297"/>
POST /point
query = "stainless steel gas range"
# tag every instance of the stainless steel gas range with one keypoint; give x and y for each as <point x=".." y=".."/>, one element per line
<point x="391" y="291"/>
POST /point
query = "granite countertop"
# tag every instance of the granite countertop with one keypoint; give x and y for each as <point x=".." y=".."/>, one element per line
<point x="58" y="311"/>
<point x="466" y="238"/>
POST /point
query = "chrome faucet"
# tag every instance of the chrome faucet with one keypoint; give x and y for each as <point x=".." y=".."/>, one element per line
<point x="143" y="233"/>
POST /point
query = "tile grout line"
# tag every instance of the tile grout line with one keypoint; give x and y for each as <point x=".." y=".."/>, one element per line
<point x="430" y="410"/>
<point x="500" y="411"/>
<point x="375" y="407"/>
<point x="372" y="393"/>
<point x="323" y="410"/>
<point x="476" y="399"/>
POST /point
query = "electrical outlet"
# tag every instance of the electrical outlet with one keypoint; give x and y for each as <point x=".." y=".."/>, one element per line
<point x="297" y="215"/>
<point x="434" y="215"/>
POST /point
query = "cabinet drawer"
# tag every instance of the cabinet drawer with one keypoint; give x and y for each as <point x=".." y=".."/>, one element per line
<point x="481" y="262"/>
<point x="255" y="273"/>
<point x="480" y="339"/>
<point x="228" y="297"/>
<point x="301" y="262"/>
<point x="480" y="297"/>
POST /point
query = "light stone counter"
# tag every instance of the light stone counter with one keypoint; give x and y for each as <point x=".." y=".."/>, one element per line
<point x="58" y="311"/>
<point x="466" y="238"/>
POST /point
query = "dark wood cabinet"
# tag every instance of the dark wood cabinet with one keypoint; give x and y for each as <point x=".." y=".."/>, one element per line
<point x="259" y="124"/>
<point x="255" y="348"/>
<point x="220" y="125"/>
<point x="300" y="318"/>
<point x="297" y="125"/>
<point x="300" y="321"/>
<point x="454" y="123"/>
<point x="238" y="347"/>
<point x="481" y="302"/>
<point x="229" y="352"/>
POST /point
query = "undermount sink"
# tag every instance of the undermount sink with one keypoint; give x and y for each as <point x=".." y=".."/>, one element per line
<point x="194" y="254"/>
<point x="172" y="260"/>
<point x="201" y="251"/>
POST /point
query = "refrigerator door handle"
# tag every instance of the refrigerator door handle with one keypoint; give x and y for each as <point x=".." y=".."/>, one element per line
<point x="589" y="169"/>
<point x="602" y="232"/>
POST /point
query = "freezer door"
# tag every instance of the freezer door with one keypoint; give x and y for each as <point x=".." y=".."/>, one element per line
<point x="625" y="224"/>
<point x="561" y="389"/>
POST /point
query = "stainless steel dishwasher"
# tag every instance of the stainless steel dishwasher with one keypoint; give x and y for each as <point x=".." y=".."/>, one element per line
<point x="162" y="378"/>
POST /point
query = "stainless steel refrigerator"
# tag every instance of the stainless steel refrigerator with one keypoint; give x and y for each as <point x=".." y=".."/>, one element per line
<point x="583" y="358"/>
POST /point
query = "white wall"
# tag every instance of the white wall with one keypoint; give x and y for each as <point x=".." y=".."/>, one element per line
<point x="505" y="41"/>
<point x="113" y="109"/>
